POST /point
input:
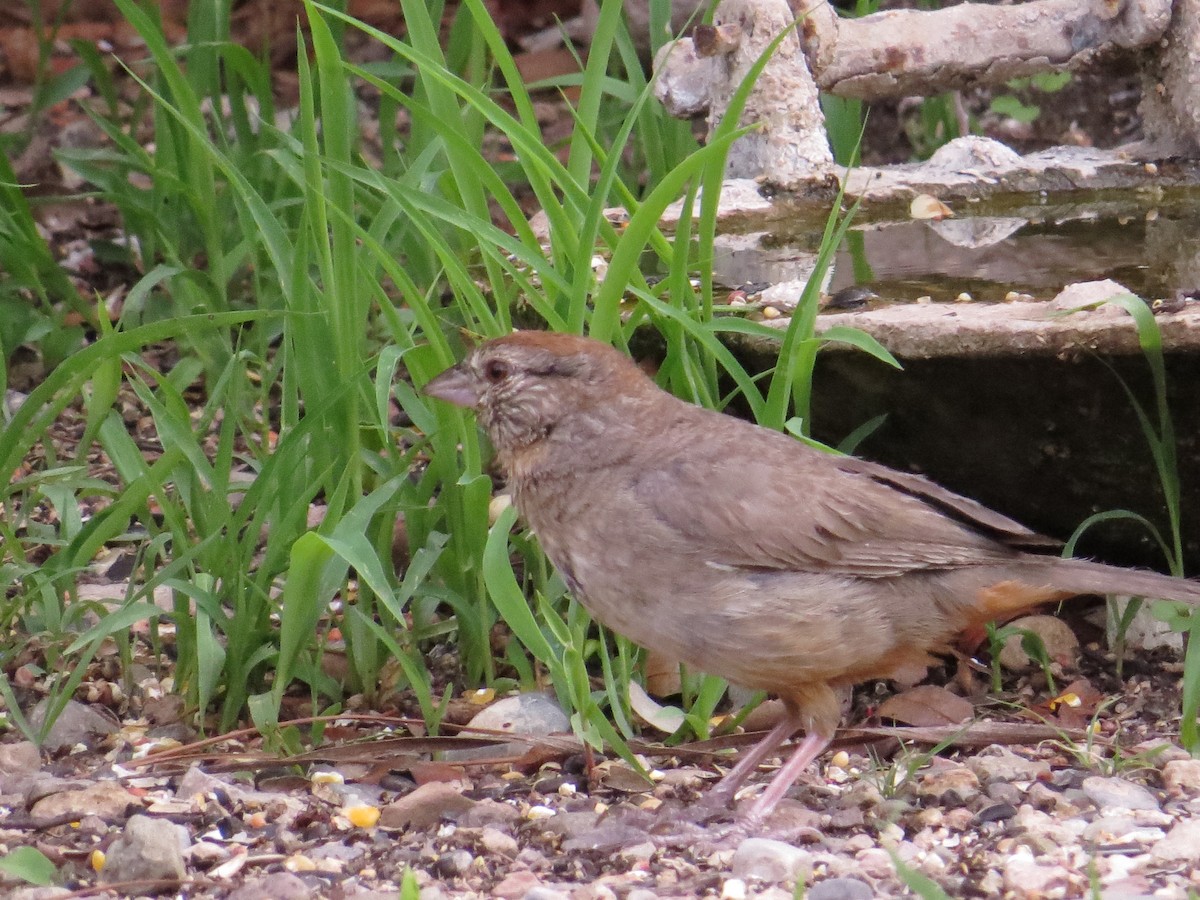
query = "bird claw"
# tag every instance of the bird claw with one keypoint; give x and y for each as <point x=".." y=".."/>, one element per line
<point x="702" y="838"/>
<point x="709" y="824"/>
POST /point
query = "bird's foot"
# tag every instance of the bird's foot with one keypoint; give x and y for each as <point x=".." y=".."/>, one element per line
<point x="702" y="839"/>
<point x="709" y="825"/>
<point x="705" y="827"/>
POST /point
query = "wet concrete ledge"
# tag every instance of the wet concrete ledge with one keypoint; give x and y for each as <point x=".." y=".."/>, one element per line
<point x="927" y="331"/>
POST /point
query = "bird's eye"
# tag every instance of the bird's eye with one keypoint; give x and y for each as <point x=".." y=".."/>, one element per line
<point x="495" y="371"/>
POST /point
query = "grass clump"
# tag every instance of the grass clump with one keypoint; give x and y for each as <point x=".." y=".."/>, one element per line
<point x="310" y="294"/>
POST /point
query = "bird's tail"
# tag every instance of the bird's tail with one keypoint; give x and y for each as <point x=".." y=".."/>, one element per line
<point x="1083" y="576"/>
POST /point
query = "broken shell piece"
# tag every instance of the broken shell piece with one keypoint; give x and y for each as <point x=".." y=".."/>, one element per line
<point x="926" y="206"/>
<point x="298" y="862"/>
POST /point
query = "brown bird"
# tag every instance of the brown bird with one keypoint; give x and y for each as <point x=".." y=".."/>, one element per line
<point x="742" y="551"/>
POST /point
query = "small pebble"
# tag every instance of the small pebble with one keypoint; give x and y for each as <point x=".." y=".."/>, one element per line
<point x="876" y="862"/>
<point x="642" y="852"/>
<point x="1003" y="792"/>
<point x="997" y="812"/>
<point x="1182" y="844"/>
<point x="543" y="892"/>
<point x="959" y="819"/>
<point x="1182" y="776"/>
<point x="890" y="831"/>
<point x="840" y="889"/>
<point x="851" y="817"/>
<point x="770" y="861"/>
<point x="454" y="864"/>
<point x="1002" y="764"/>
<point x="932" y="817"/>
<point x="957" y="780"/>
<point x="858" y="842"/>
<point x="498" y="842"/>
<point x="1025" y="877"/>
<point x="1109" y="793"/>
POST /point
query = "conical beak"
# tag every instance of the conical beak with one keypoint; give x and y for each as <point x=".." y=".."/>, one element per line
<point x="454" y="386"/>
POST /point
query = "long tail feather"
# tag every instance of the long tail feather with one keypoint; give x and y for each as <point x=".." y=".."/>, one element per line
<point x="1086" y="577"/>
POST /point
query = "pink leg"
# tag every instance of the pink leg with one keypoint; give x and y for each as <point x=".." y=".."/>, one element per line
<point x="806" y="751"/>
<point x="734" y="778"/>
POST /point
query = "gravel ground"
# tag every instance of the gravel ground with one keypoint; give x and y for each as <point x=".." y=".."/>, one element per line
<point x="1113" y="815"/>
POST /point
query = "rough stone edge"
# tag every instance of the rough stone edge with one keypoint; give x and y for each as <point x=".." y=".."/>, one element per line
<point x="912" y="331"/>
<point x="1061" y="170"/>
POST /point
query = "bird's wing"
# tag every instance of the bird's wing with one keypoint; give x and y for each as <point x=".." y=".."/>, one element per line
<point x="778" y="504"/>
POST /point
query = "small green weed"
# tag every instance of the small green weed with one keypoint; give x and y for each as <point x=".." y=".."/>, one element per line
<point x="890" y="777"/>
<point x="1159" y="431"/>
<point x="1105" y="757"/>
<point x="1031" y="643"/>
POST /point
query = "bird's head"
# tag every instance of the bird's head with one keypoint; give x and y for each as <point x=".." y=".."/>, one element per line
<point x="528" y="384"/>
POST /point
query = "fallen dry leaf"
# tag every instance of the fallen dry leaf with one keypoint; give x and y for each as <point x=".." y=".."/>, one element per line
<point x="620" y="776"/>
<point x="927" y="704"/>
<point x="425" y="772"/>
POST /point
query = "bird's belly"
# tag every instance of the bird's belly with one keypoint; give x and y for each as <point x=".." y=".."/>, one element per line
<point x="762" y="631"/>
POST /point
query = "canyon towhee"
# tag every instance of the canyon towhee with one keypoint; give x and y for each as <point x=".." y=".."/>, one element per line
<point x="742" y="551"/>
